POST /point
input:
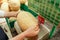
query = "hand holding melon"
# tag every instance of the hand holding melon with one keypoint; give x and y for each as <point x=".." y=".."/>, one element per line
<point x="32" y="31"/>
<point x="28" y="23"/>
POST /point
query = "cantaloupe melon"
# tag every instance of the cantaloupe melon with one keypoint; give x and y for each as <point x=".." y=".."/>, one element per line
<point x="26" y="20"/>
<point x="23" y="1"/>
<point x="12" y="18"/>
<point x="4" y="1"/>
<point x="14" y="5"/>
<point x="5" y="6"/>
<point x="0" y="2"/>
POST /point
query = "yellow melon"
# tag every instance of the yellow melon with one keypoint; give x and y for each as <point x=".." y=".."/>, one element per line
<point x="23" y="1"/>
<point x="0" y="2"/>
<point x="12" y="18"/>
<point x="5" y="6"/>
<point x="26" y="20"/>
<point x="14" y="5"/>
<point x="4" y="1"/>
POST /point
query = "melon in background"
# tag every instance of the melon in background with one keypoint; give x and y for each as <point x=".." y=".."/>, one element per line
<point x="4" y="1"/>
<point x="14" y="5"/>
<point x="5" y="6"/>
<point x="23" y="1"/>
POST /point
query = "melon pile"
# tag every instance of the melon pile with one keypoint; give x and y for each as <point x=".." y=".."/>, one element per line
<point x="10" y="5"/>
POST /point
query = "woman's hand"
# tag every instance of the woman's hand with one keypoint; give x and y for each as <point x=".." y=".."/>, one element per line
<point x="32" y="31"/>
<point x="11" y="14"/>
<point x="14" y="14"/>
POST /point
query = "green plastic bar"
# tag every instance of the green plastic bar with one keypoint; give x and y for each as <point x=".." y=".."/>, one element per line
<point x="7" y="22"/>
<point x="10" y="24"/>
<point x="52" y="32"/>
<point x="25" y="8"/>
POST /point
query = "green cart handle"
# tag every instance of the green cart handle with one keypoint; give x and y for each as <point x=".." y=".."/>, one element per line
<point x="25" y="8"/>
<point x="52" y="31"/>
<point x="7" y="22"/>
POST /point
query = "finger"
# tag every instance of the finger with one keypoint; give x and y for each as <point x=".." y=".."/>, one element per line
<point x="33" y="27"/>
<point x="37" y="25"/>
<point x="37" y="31"/>
<point x="36" y="28"/>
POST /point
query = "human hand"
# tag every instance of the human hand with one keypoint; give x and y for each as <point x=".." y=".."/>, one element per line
<point x="14" y="14"/>
<point x="32" y="31"/>
<point x="11" y="14"/>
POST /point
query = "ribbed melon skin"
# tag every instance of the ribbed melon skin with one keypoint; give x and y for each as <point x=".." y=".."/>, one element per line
<point x="14" y="5"/>
<point x="26" y="20"/>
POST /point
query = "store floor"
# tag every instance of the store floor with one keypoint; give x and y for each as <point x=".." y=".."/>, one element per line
<point x="56" y="36"/>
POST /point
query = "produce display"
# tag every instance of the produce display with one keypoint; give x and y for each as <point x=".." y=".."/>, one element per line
<point x="24" y="19"/>
<point x="10" y="5"/>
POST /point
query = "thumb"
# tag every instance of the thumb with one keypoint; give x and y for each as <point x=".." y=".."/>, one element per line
<point x="37" y="31"/>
